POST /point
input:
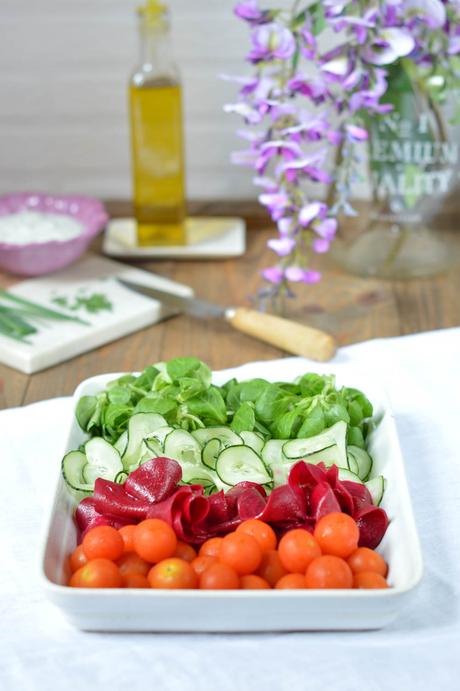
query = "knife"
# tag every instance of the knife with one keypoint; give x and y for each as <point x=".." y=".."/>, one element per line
<point x="290" y="336"/>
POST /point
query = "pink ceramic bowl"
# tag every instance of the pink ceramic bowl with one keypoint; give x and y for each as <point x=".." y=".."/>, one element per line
<point x="40" y="258"/>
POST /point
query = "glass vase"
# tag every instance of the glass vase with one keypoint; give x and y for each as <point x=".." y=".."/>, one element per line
<point x="413" y="165"/>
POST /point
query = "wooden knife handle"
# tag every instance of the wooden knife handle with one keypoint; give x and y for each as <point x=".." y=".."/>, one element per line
<point x="284" y="334"/>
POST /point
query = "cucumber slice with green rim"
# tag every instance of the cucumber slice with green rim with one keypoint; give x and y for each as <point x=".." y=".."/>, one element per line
<point x="226" y="435"/>
<point x="151" y="447"/>
<point x="345" y="474"/>
<point x="122" y="442"/>
<point x="300" y="448"/>
<point x="160" y="435"/>
<point x="103" y="460"/>
<point x="191" y="475"/>
<point x="329" y="455"/>
<point x="121" y="477"/>
<point x="72" y="468"/>
<point x="140" y="425"/>
<point x="352" y="463"/>
<point x="210" y="452"/>
<point x="362" y="459"/>
<point x="182" y="447"/>
<point x="376" y="487"/>
<point x="241" y="463"/>
<point x="254" y="440"/>
<point x="272" y="453"/>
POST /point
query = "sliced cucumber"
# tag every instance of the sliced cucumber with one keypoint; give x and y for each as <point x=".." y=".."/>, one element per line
<point x="191" y="475"/>
<point x="210" y="452"/>
<point x="160" y="435"/>
<point x="182" y="447"/>
<point x="352" y="463"/>
<point x="151" y="447"/>
<point x="140" y="425"/>
<point x="103" y="460"/>
<point x="73" y="465"/>
<point x="122" y="442"/>
<point x="241" y="463"/>
<point x="329" y="455"/>
<point x="345" y="474"/>
<point x="376" y="487"/>
<point x="362" y="459"/>
<point x="272" y="453"/>
<point x="254" y="440"/>
<point x="121" y="477"/>
<point x="226" y="435"/>
<point x="300" y="448"/>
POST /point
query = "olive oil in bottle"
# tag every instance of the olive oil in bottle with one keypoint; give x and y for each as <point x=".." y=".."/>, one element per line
<point x="157" y="135"/>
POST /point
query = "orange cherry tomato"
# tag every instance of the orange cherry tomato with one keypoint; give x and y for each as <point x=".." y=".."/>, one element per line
<point x="97" y="573"/>
<point x="77" y="559"/>
<point x="211" y="547"/>
<point x="154" y="540"/>
<point x="135" y="580"/>
<point x="200" y="564"/>
<point x="184" y="551"/>
<point x="329" y="571"/>
<point x="130" y="562"/>
<point x="297" y="549"/>
<point x="253" y="582"/>
<point x="103" y="542"/>
<point x="291" y="581"/>
<point x="337" y="534"/>
<point x="271" y="568"/>
<point x="365" y="559"/>
<point x="219" y="577"/>
<point x="369" y="579"/>
<point x="173" y="574"/>
<point x="262" y="532"/>
<point x="242" y="552"/>
<point x="127" y="533"/>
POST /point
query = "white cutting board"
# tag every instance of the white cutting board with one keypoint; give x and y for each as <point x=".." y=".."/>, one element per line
<point x="57" y="341"/>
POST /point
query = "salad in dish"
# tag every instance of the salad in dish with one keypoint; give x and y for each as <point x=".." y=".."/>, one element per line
<point x="168" y="445"/>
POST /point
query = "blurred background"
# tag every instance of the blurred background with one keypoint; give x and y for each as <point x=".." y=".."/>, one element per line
<point x="64" y="69"/>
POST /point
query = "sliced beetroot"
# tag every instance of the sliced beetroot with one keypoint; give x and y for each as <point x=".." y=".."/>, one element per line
<point x="344" y="498"/>
<point x="360" y="495"/>
<point x="87" y="517"/>
<point x="250" y="504"/>
<point x="219" y="509"/>
<point x="240" y="487"/>
<point x="372" y="523"/>
<point x="111" y="498"/>
<point x="323" y="501"/>
<point x="154" y="480"/>
<point x="283" y="506"/>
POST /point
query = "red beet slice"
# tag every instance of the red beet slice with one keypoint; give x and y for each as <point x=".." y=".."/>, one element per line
<point x="372" y="523"/>
<point x="323" y="501"/>
<point x="154" y="480"/>
<point x="111" y="498"/>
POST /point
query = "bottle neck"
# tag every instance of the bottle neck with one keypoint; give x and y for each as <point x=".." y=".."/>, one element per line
<point x="156" y="52"/>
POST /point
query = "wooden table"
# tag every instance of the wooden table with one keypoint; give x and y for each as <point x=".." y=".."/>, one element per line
<point x="355" y="309"/>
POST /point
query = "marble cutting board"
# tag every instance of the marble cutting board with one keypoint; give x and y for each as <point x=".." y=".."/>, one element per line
<point x="119" y="311"/>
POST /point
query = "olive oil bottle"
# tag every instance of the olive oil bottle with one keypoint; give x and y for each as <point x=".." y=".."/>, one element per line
<point x="157" y="134"/>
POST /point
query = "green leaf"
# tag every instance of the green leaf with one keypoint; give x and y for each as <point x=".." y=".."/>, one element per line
<point x="86" y="407"/>
<point x="312" y="384"/>
<point x="209" y="406"/>
<point x="318" y="17"/>
<point x="188" y="367"/>
<point x="244" y="418"/>
<point x="355" y="437"/>
<point x="119" y="394"/>
<point x="335" y="413"/>
<point x="313" y="424"/>
<point x="287" y="425"/>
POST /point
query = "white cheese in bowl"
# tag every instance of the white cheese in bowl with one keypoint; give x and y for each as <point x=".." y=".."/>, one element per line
<point x="25" y="227"/>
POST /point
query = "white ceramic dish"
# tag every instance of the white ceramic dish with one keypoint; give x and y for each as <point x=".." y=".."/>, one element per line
<point x="296" y="610"/>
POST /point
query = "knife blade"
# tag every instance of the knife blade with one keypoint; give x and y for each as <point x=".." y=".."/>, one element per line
<point x="290" y="336"/>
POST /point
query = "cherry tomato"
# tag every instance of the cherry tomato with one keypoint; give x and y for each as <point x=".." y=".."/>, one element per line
<point x="262" y="532"/>
<point x="329" y="571"/>
<point x="154" y="540"/>
<point x="173" y="574"/>
<point x="130" y="562"/>
<point x="242" y="552"/>
<point x="337" y="534"/>
<point x="297" y="549"/>
<point x="77" y="559"/>
<point x="97" y="573"/>
<point x="211" y="547"/>
<point x="127" y="533"/>
<point x="291" y="581"/>
<point x="271" y="568"/>
<point x="103" y="542"/>
<point x="369" y="579"/>
<point x="200" y="564"/>
<point x="365" y="559"/>
<point x="184" y="551"/>
<point x="135" y="580"/>
<point x="219" y="577"/>
<point x="253" y="582"/>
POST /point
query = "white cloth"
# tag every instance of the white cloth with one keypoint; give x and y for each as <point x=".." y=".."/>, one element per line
<point x="39" y="650"/>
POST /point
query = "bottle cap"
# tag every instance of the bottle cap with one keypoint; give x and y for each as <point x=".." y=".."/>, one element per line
<point x="153" y="8"/>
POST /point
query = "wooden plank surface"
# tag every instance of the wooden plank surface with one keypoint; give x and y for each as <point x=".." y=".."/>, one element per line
<point x="354" y="309"/>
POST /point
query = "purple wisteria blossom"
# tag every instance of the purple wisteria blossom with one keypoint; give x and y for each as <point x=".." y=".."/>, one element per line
<point x="306" y="105"/>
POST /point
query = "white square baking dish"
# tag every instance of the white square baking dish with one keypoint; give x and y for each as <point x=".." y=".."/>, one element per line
<point x="198" y="610"/>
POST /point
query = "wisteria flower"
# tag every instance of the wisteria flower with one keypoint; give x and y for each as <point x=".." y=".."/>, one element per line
<point x="391" y="44"/>
<point x="271" y="41"/>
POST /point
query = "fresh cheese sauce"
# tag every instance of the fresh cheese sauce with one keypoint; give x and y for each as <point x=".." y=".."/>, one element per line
<point x="34" y="226"/>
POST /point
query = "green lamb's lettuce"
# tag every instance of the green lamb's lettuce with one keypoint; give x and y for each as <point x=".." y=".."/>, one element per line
<point x="181" y="391"/>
